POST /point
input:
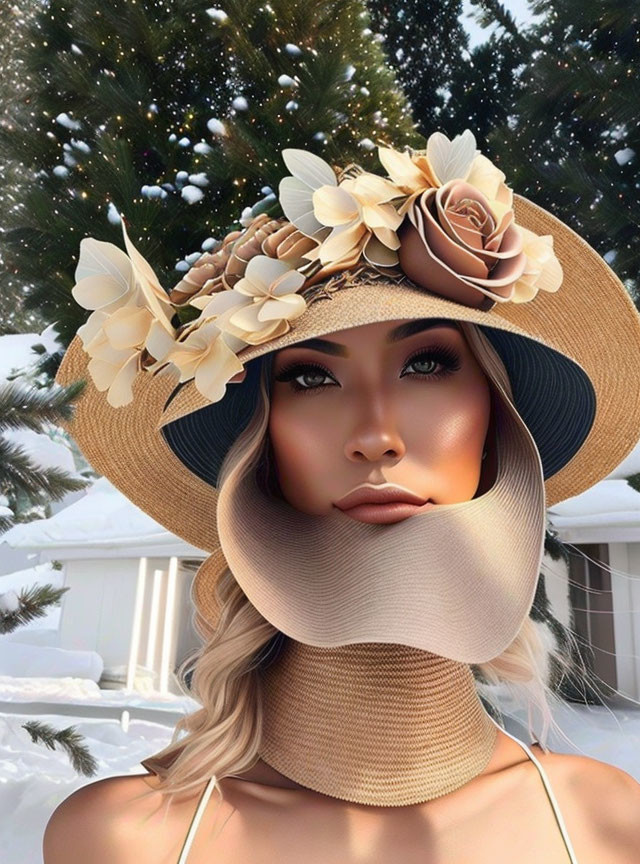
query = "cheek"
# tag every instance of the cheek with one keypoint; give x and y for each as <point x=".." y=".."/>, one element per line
<point x="295" y="434"/>
<point x="449" y="435"/>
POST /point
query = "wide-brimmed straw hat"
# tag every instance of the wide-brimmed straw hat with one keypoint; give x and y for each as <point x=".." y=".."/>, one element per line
<point x="441" y="237"/>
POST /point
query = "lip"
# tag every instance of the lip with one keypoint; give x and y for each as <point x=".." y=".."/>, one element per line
<point x="371" y="494"/>
<point x="395" y="511"/>
<point x="382" y="504"/>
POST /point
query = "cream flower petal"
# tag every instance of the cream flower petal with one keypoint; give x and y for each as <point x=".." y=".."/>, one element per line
<point x="408" y="202"/>
<point x="236" y="344"/>
<point x="186" y="362"/>
<point x="120" y="392"/>
<point x="490" y="180"/>
<point x="552" y="275"/>
<point x="246" y="318"/>
<point x="373" y="189"/>
<point x="378" y="253"/>
<point x="91" y="327"/>
<point x="102" y="373"/>
<point x="230" y="330"/>
<point x="203" y="300"/>
<point x="250" y="288"/>
<point x="158" y="342"/>
<point x="269" y="332"/>
<point x="387" y="237"/>
<point x="381" y="216"/>
<point x="290" y="306"/>
<point x="205" y="333"/>
<point x="101" y="349"/>
<point x="100" y="258"/>
<point x="334" y="205"/>
<point x="499" y="209"/>
<point x="218" y="303"/>
<point x="189" y="352"/>
<point x="524" y="291"/>
<point x="296" y="200"/>
<point x="128" y="327"/>
<point x="262" y="271"/>
<point x="340" y="242"/>
<point x="401" y="168"/>
<point x="215" y="370"/>
<point x="539" y="250"/>
<point x="156" y="298"/>
<point x="103" y="370"/>
<point x="543" y="271"/>
<point x="309" y="168"/>
<point x="451" y="160"/>
<point x="96" y="345"/>
<point x="288" y="283"/>
<point x="94" y="292"/>
<point x="140" y="263"/>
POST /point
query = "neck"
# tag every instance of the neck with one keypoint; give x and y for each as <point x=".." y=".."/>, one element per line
<point x="374" y="723"/>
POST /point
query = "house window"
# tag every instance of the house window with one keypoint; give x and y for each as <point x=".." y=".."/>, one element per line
<point x="591" y="601"/>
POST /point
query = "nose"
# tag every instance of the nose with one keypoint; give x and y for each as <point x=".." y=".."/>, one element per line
<point x="375" y="435"/>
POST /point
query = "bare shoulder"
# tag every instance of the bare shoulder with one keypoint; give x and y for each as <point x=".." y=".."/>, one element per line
<point x="102" y="822"/>
<point x="605" y="800"/>
<point x="611" y="795"/>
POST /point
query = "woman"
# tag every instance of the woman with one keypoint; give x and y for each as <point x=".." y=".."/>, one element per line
<point x="340" y="718"/>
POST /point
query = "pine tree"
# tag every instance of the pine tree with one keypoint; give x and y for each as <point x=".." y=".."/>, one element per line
<point x="485" y="90"/>
<point x="26" y="487"/>
<point x="573" y="142"/>
<point x="175" y="116"/>
<point x="15" y="17"/>
<point x="426" y="43"/>
<point x="25" y="492"/>
<point x="451" y="88"/>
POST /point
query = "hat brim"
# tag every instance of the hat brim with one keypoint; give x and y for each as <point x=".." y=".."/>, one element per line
<point x="571" y="356"/>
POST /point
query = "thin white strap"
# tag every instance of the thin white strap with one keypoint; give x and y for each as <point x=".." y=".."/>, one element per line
<point x="197" y="816"/>
<point x="552" y="797"/>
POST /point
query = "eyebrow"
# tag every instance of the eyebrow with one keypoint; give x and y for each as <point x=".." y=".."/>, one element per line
<point x="405" y="330"/>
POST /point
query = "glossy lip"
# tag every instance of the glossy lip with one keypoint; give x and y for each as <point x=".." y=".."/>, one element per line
<point x="372" y="493"/>
<point x="395" y="511"/>
<point x="382" y="503"/>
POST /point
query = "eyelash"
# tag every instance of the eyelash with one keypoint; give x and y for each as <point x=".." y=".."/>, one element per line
<point x="447" y="358"/>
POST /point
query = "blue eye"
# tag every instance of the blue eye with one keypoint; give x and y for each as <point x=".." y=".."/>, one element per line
<point x="442" y="356"/>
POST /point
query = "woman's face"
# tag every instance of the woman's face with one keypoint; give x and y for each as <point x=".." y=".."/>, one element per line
<point x="399" y="403"/>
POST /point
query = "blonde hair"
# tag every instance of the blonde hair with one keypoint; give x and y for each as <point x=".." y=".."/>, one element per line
<point x="222" y="738"/>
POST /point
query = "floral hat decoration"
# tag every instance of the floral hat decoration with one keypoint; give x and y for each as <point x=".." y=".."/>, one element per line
<point x="441" y="235"/>
<point x="444" y="218"/>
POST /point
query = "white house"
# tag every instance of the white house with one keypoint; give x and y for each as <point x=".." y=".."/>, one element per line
<point x="602" y="526"/>
<point x="129" y="586"/>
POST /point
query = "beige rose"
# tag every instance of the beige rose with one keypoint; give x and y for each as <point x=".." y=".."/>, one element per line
<point x="454" y="243"/>
<point x="441" y="161"/>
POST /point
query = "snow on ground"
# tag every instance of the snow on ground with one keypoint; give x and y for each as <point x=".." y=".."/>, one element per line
<point x="34" y="779"/>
